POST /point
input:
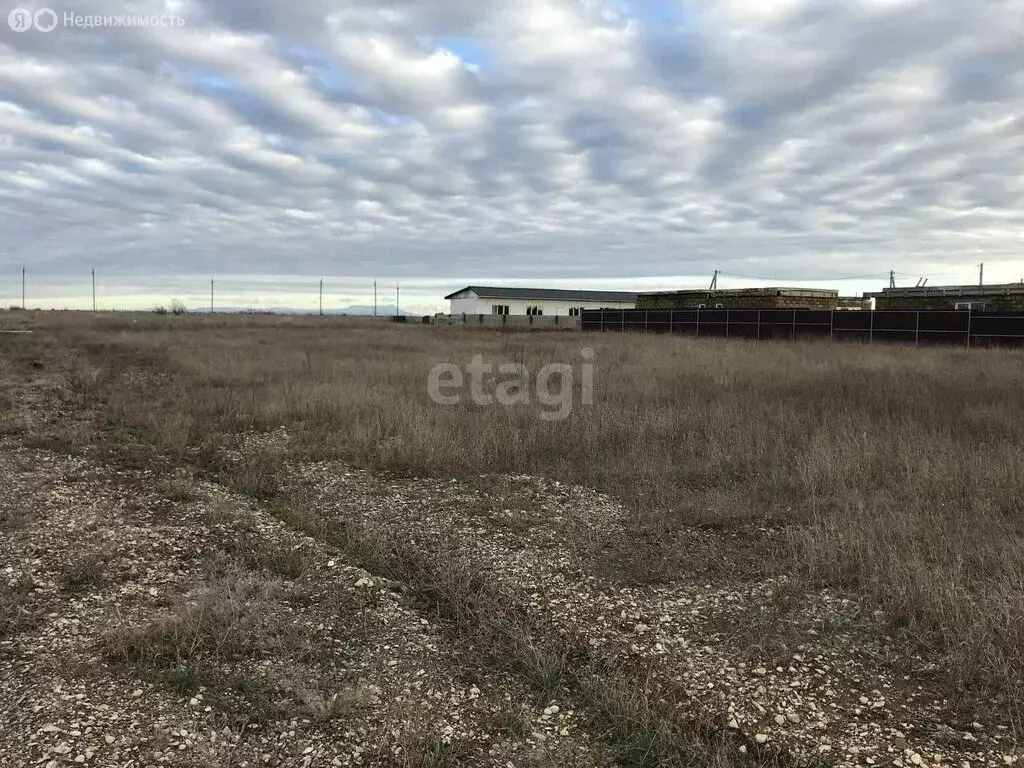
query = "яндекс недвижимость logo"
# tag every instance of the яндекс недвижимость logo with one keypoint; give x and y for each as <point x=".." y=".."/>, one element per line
<point x="46" y="20"/>
<point x="22" y="19"/>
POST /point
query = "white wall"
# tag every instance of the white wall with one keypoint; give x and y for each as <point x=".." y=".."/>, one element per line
<point x="471" y="305"/>
<point x="467" y="305"/>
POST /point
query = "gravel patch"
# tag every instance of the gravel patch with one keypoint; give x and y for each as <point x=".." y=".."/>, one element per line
<point x="363" y="679"/>
<point x="830" y="690"/>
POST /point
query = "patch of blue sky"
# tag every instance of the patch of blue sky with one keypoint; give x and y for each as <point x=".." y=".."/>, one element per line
<point x="653" y="12"/>
<point x="238" y="97"/>
<point x="326" y="70"/>
<point x="212" y="82"/>
<point x="55" y="117"/>
<point x="133" y="167"/>
<point x="392" y="119"/>
<point x="750" y="116"/>
<point x="262" y="115"/>
<point x="469" y="50"/>
<point x="977" y="79"/>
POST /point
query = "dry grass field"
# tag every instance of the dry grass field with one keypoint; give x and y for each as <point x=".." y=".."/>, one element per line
<point x="740" y="553"/>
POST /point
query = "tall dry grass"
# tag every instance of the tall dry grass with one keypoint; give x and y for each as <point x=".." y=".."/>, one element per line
<point x="900" y="471"/>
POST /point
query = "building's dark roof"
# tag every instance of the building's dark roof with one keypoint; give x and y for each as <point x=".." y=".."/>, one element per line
<point x="726" y="292"/>
<point x="553" y="294"/>
<point x="950" y="290"/>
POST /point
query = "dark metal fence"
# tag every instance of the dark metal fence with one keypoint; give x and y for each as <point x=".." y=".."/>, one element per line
<point x="959" y="327"/>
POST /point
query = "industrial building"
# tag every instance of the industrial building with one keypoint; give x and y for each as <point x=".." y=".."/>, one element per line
<point x="1008" y="297"/>
<point x="488" y="300"/>
<point x="750" y="298"/>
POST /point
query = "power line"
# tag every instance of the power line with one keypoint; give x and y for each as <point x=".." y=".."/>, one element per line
<point x="925" y="274"/>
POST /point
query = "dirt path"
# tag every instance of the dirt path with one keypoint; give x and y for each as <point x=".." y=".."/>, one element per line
<point x="164" y="621"/>
<point x="809" y="671"/>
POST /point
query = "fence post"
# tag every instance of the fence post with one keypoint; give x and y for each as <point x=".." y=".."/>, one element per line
<point x="759" y="325"/>
<point x="871" y="329"/>
<point x="831" y="325"/>
<point x="727" y="323"/>
<point x="647" y="314"/>
<point x="671" y="316"/>
<point x="794" y="325"/>
<point x="698" y="321"/>
<point x="970" y="313"/>
<point x="603" y="329"/>
<point x="917" y="330"/>
<point x="622" y="320"/>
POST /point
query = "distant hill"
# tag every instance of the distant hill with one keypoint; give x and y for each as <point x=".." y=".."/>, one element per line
<point x="383" y="310"/>
<point x="364" y="309"/>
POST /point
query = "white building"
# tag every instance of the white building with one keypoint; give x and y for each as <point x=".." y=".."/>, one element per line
<point x="483" y="300"/>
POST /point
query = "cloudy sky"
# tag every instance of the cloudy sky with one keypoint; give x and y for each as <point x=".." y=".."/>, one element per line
<point x="589" y="143"/>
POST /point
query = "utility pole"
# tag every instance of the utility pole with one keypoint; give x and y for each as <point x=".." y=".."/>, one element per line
<point x="321" y="297"/>
<point x="398" y="293"/>
<point x="374" y="298"/>
<point x="94" y="290"/>
<point x="23" y="288"/>
<point x="714" y="282"/>
<point x="211" y="295"/>
<point x="981" y="274"/>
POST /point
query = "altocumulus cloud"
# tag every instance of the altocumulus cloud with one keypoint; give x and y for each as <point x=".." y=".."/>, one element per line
<point x="595" y="141"/>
